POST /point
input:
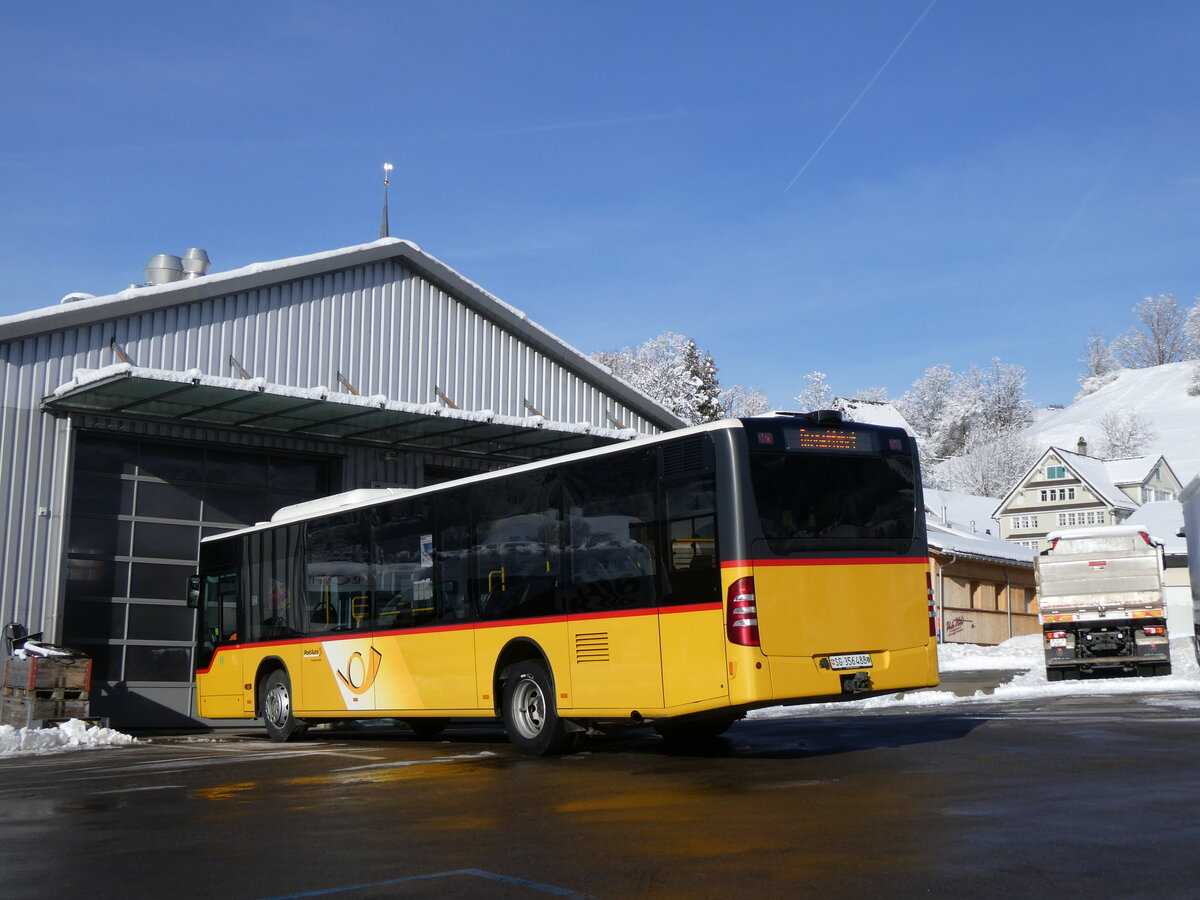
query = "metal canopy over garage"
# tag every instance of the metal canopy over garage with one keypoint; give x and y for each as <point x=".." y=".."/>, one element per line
<point x="189" y="398"/>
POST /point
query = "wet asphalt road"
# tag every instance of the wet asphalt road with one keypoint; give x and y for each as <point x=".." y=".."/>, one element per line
<point x="1069" y="796"/>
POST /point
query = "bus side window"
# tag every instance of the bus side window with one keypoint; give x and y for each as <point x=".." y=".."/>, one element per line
<point x="402" y="564"/>
<point x="518" y="547"/>
<point x="611" y="535"/>
<point x="337" y="575"/>
<point x="451" y="559"/>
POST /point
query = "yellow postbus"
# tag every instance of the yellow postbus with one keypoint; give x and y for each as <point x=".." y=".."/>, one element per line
<point x="675" y="581"/>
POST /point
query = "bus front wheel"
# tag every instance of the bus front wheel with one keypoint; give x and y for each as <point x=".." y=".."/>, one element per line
<point x="530" y="713"/>
<point x="276" y="707"/>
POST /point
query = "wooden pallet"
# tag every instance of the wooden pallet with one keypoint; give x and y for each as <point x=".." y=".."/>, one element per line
<point x="34" y="712"/>
<point x="47" y="674"/>
<point x="38" y="689"/>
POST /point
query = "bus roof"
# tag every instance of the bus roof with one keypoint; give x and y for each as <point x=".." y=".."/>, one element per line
<point x="361" y="498"/>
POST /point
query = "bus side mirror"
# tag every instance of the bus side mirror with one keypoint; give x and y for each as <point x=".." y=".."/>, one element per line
<point x="193" y="593"/>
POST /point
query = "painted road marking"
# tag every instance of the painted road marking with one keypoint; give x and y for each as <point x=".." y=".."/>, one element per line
<point x="552" y="890"/>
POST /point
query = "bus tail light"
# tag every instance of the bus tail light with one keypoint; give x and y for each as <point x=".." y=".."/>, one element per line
<point x="743" y="613"/>
<point x="932" y="613"/>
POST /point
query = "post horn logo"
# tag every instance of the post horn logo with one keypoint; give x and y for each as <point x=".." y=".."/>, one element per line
<point x="359" y="675"/>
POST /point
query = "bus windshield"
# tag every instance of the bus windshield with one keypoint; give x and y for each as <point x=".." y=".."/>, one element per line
<point x="810" y="501"/>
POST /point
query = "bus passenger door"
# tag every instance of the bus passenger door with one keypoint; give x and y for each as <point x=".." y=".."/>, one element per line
<point x="613" y="628"/>
<point x="692" y="619"/>
<point x="611" y="582"/>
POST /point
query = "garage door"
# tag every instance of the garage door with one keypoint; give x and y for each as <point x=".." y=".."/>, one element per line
<point x="138" y="511"/>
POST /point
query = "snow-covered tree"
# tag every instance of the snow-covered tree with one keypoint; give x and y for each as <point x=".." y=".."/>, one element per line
<point x="1100" y="365"/>
<point x="702" y="372"/>
<point x="1124" y="434"/>
<point x="1159" y="338"/>
<point x="1191" y="329"/>
<point x="739" y="401"/>
<point x="924" y="407"/>
<point x="816" y="393"/>
<point x="872" y="395"/>
<point x="993" y="460"/>
<point x="945" y="409"/>
<point x="1194" y="387"/>
<point x="671" y="369"/>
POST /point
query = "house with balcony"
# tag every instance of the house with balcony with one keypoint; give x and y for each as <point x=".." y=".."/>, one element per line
<point x="1070" y="489"/>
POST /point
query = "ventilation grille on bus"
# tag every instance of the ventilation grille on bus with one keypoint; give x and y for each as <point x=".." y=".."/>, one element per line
<point x="681" y="457"/>
<point x="591" y="647"/>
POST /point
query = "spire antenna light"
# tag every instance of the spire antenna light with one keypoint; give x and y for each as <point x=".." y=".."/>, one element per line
<point x="383" y="223"/>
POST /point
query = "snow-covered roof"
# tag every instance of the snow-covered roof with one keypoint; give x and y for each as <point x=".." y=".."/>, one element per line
<point x="872" y="412"/>
<point x="1163" y="520"/>
<point x="977" y="545"/>
<point x="961" y="509"/>
<point x="138" y="300"/>
<point x="1095" y="473"/>
<point x="958" y="524"/>
<point x="1131" y="470"/>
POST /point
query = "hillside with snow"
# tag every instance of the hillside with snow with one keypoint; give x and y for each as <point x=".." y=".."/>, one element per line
<point x="1158" y="394"/>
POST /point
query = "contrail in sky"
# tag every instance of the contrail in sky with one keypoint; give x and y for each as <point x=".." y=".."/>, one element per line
<point x="862" y="93"/>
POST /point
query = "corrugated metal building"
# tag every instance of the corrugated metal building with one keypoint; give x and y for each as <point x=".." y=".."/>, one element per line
<point x="133" y="424"/>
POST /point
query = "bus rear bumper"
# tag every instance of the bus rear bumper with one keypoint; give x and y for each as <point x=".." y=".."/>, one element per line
<point x="802" y="677"/>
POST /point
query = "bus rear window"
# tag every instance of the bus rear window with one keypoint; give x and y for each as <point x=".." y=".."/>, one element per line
<point x="812" y="501"/>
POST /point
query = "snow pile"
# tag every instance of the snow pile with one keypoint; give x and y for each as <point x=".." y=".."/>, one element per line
<point x="1024" y="652"/>
<point x="70" y="735"/>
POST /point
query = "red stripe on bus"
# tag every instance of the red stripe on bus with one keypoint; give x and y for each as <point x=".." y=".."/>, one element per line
<point x="437" y="629"/>
<point x="856" y="561"/>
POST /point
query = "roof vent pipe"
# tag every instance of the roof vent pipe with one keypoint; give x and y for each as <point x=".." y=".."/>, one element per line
<point x="163" y="268"/>
<point x="195" y="263"/>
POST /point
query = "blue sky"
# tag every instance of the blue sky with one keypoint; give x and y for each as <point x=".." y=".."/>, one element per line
<point x="798" y="186"/>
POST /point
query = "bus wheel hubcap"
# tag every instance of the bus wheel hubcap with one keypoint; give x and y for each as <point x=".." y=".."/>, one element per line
<point x="530" y="711"/>
<point x="279" y="705"/>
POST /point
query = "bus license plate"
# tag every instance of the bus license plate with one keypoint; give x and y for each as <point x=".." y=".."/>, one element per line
<point x="850" y="661"/>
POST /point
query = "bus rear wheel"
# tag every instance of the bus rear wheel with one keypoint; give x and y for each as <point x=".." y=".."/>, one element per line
<point x="276" y="708"/>
<point x="530" y="715"/>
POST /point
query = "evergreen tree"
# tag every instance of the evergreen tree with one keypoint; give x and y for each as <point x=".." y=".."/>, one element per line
<point x="673" y="371"/>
